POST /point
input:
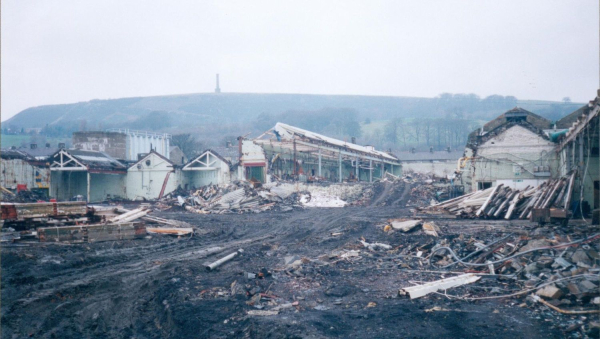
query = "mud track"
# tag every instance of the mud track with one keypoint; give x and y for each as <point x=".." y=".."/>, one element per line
<point x="158" y="287"/>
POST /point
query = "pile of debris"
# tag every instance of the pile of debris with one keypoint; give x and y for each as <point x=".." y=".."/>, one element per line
<point x="240" y="196"/>
<point x="23" y="196"/>
<point x="76" y="222"/>
<point x="429" y="190"/>
<point x="553" y="196"/>
<point x="560" y="273"/>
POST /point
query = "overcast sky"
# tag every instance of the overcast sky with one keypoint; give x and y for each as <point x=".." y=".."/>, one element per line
<point x="68" y="51"/>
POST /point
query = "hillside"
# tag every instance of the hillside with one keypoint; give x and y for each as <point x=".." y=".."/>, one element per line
<point x="214" y="117"/>
<point x="198" y="109"/>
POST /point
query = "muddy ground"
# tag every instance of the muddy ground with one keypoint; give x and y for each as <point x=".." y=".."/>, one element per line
<point x="159" y="287"/>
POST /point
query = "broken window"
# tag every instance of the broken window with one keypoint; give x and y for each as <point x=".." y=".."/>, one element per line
<point x="481" y="185"/>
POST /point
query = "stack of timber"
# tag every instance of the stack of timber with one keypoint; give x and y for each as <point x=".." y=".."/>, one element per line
<point x="503" y="202"/>
<point x="23" y="216"/>
<point x="92" y="233"/>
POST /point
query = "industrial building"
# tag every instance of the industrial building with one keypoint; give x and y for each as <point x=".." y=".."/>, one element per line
<point x="289" y="152"/>
<point x="22" y="171"/>
<point x="520" y="149"/>
<point x="513" y="149"/>
<point x="123" y="144"/>
<point x="578" y="149"/>
<point x="209" y="168"/>
<point x="441" y="164"/>
<point x="93" y="175"/>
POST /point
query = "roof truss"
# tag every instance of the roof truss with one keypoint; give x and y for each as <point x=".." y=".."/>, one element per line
<point x="63" y="161"/>
<point x="205" y="162"/>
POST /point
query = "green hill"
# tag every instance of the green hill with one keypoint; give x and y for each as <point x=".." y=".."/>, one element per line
<point x="212" y="116"/>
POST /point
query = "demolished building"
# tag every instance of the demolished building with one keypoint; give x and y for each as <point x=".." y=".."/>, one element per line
<point x="209" y="168"/>
<point x="22" y="171"/>
<point x="556" y="164"/>
<point x="289" y="152"/>
<point x="91" y="174"/>
<point x="513" y="150"/>
<point x="578" y="137"/>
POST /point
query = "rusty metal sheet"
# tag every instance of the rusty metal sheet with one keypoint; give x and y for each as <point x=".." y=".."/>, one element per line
<point x="21" y="172"/>
<point x="42" y="210"/>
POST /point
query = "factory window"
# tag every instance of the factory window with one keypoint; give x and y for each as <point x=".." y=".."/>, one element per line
<point x="484" y="185"/>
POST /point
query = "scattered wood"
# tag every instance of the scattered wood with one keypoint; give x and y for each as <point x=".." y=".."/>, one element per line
<point x="170" y="231"/>
<point x="503" y="202"/>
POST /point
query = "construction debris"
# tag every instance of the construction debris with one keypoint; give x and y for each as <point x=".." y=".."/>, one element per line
<point x="550" y="200"/>
<point x="434" y="286"/>
<point x="405" y="225"/>
<point x="240" y="196"/>
<point x="212" y="266"/>
<point x="170" y="231"/>
<point x="92" y="233"/>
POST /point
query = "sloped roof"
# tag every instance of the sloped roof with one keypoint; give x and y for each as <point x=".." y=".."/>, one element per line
<point x="149" y="154"/>
<point x="39" y="152"/>
<point x="515" y="116"/>
<point x="535" y="120"/>
<point x="287" y="132"/>
<point x="211" y="152"/>
<point x="569" y="120"/>
<point x="93" y="160"/>
<point x="8" y="153"/>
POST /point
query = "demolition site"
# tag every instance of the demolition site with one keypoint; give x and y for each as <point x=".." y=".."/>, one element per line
<point x="294" y="234"/>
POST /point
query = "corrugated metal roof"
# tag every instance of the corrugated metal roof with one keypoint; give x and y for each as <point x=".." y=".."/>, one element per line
<point x="287" y="131"/>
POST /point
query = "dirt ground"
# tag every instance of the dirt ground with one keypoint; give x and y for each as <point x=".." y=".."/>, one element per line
<point x="158" y="287"/>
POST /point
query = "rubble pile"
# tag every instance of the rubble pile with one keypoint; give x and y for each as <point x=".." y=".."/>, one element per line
<point x="24" y="196"/>
<point x="385" y="192"/>
<point x="426" y="189"/>
<point x="422" y="195"/>
<point x="550" y="268"/>
<point x="240" y="196"/>
<point x="504" y="202"/>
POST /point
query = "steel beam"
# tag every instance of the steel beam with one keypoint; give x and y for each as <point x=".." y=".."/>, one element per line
<point x="319" y="162"/>
<point x="89" y="180"/>
<point x="347" y="153"/>
<point x="340" y="167"/>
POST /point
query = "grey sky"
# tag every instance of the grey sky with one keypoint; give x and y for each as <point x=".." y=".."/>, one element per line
<point x="69" y="51"/>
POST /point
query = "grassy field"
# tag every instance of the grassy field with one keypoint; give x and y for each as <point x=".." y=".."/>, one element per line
<point x="369" y="128"/>
<point x="8" y="140"/>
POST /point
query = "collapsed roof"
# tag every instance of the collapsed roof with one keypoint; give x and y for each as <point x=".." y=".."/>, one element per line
<point x="79" y="160"/>
<point x="283" y="136"/>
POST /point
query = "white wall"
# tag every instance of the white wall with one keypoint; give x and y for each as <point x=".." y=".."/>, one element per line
<point x="146" y="182"/>
<point x="511" y="157"/>
<point x="104" y="185"/>
<point x="201" y="176"/>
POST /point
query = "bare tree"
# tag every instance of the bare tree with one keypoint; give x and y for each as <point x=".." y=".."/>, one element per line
<point x="188" y="144"/>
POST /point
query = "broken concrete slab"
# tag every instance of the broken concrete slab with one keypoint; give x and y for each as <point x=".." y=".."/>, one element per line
<point x="550" y="291"/>
<point x="443" y="284"/>
<point x="405" y="225"/>
<point x="430" y="228"/>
